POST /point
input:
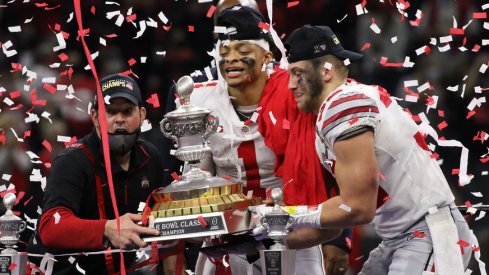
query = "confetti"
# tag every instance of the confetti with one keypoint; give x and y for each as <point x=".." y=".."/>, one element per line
<point x="56" y="217"/>
<point x="345" y="207"/>
<point x="293" y="4"/>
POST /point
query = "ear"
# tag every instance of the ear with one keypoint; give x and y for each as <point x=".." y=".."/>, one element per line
<point x="94" y="116"/>
<point x="142" y="114"/>
<point x="267" y="58"/>
<point x="327" y="74"/>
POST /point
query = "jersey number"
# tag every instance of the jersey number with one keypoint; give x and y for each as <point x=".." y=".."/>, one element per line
<point x="247" y="152"/>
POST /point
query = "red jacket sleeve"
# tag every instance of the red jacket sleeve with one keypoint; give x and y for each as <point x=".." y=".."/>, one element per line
<point x="60" y="228"/>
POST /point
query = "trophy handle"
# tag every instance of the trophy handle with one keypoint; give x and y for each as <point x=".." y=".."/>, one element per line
<point x="290" y="222"/>
<point x="264" y="222"/>
<point x="22" y="226"/>
<point x="212" y="123"/>
<point x="166" y="127"/>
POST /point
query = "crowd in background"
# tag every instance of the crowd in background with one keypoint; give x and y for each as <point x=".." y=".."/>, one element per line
<point x="162" y="54"/>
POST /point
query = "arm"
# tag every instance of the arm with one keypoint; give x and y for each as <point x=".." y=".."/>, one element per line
<point x="356" y="173"/>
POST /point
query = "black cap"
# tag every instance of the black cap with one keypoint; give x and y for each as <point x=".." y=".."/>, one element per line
<point x="309" y="42"/>
<point x="242" y="23"/>
<point x="118" y="85"/>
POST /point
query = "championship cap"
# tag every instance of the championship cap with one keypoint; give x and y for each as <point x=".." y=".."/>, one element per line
<point x="118" y="85"/>
<point x="309" y="42"/>
<point x="242" y="23"/>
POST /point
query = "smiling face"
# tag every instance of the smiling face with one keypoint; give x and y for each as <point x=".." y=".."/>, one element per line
<point x="242" y="62"/>
<point x="122" y="116"/>
<point x="306" y="82"/>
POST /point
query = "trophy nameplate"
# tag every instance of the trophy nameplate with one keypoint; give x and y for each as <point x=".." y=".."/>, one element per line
<point x="189" y="226"/>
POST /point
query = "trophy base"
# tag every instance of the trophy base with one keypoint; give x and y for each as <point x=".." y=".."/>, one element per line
<point x="13" y="264"/>
<point x="201" y="225"/>
<point x="277" y="261"/>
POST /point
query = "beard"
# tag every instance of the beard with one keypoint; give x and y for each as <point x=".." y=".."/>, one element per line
<point x="313" y="86"/>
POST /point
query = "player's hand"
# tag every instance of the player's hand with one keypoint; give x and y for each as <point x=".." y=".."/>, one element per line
<point x="260" y="233"/>
<point x="335" y="260"/>
<point x="130" y="232"/>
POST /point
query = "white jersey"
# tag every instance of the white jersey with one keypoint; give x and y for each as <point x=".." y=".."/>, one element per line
<point x="412" y="180"/>
<point x="238" y="150"/>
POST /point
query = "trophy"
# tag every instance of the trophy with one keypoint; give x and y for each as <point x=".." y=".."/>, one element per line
<point x="11" y="261"/>
<point x="278" y="260"/>
<point x="199" y="204"/>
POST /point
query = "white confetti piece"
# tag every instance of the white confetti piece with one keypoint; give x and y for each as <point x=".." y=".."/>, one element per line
<point x="32" y="118"/>
<point x="79" y="269"/>
<point x="411" y="83"/>
<point x="63" y="139"/>
<point x="433" y="41"/>
<point x="219" y="29"/>
<point x="162" y="17"/>
<point x="8" y="101"/>
<point x="254" y="117"/>
<point x="172" y="152"/>
<point x="486" y="25"/>
<point x="394" y="39"/>
<point x="146" y="126"/>
<point x="444" y="48"/>
<point x="71" y="259"/>
<point x="151" y="23"/>
<point x="15" y="29"/>
<point x="112" y="3"/>
<point x="359" y="9"/>
<point x="477" y="194"/>
<point x="345" y="207"/>
<point x="483" y="68"/>
<point x="204" y="1"/>
<point x="274" y="120"/>
<point x="107" y="99"/>
<point x="54" y="65"/>
<point x="484" y="173"/>
<point x="421" y="50"/>
<point x="328" y="66"/>
<point x="51" y="80"/>
<point x="485" y="42"/>
<point x="375" y="28"/>
<point x="339" y="20"/>
<point x="56" y="217"/>
<point x="61" y="42"/>
<point x="407" y="62"/>
<point x="119" y="20"/>
<point x="411" y="98"/>
<point x="141" y="206"/>
<point x="111" y="14"/>
<point x="70" y="17"/>
<point x="142" y="28"/>
<point x="446" y="39"/>
<point x="6" y="51"/>
<point x="482" y="214"/>
<point x="452" y="88"/>
<point x="162" y="53"/>
<point x="28" y="20"/>
<point x="346" y="62"/>
<point x="6" y="177"/>
<point x="102" y="41"/>
<point x="476" y="102"/>
<point x="423" y="87"/>
<point x="16" y="136"/>
<point x="47" y="115"/>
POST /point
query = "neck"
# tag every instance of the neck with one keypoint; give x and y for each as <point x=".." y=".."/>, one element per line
<point x="250" y="93"/>
<point x="124" y="160"/>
